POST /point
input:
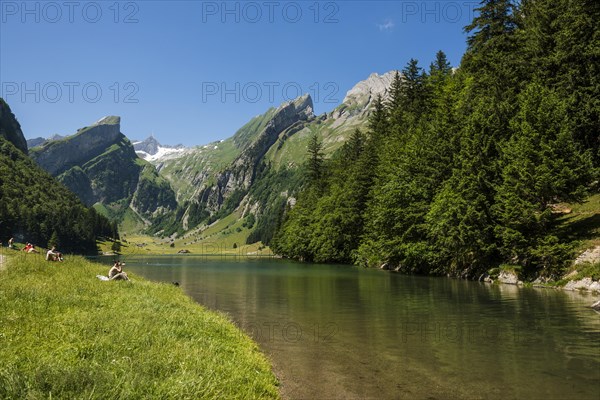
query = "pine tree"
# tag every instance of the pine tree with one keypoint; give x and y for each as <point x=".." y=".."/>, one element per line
<point x="460" y="224"/>
<point x="441" y="65"/>
<point x="395" y="93"/>
<point x="315" y="160"/>
<point x="378" y="120"/>
<point x="494" y="55"/>
<point x="413" y="93"/>
<point x="495" y="19"/>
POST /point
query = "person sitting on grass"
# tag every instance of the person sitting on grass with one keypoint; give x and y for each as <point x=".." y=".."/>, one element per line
<point x="53" y="255"/>
<point x="116" y="272"/>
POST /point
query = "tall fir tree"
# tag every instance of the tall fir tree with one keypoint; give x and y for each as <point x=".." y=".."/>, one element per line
<point x="314" y="162"/>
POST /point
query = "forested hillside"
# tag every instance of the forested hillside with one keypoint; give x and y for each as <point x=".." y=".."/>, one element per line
<point x="34" y="207"/>
<point x="462" y="169"/>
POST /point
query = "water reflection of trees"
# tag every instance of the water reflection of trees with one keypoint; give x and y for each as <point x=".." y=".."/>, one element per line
<point x="365" y="332"/>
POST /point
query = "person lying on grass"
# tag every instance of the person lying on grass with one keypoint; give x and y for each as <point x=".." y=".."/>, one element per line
<point x="116" y="272"/>
<point x="30" y="248"/>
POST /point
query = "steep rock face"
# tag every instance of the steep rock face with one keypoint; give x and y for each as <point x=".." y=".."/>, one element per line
<point x="88" y="143"/>
<point x="240" y="174"/>
<point x="153" y="194"/>
<point x="10" y="129"/>
<point x="78" y="182"/>
<point x="288" y="115"/>
<point x="113" y="174"/>
<point x="100" y="165"/>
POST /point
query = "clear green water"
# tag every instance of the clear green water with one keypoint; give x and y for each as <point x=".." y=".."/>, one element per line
<point x="336" y="331"/>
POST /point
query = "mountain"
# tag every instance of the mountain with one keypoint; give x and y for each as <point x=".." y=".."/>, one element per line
<point x="39" y="141"/>
<point x="10" y="129"/>
<point x="35" y="207"/>
<point x="151" y="150"/>
<point x="334" y="127"/>
<point x="256" y="170"/>
<point x="100" y="165"/>
<point x="253" y="174"/>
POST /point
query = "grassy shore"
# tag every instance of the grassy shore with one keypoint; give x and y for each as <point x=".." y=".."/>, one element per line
<point x="66" y="334"/>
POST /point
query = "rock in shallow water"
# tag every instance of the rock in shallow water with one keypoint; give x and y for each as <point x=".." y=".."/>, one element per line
<point x="508" y="277"/>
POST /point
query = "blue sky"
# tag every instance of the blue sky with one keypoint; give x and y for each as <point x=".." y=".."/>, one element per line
<point x="195" y="71"/>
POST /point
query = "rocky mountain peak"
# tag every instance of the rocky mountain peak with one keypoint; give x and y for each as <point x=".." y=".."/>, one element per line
<point x="359" y="100"/>
<point x="150" y="146"/>
<point x="302" y="105"/>
<point x="375" y="84"/>
<point x="151" y="150"/>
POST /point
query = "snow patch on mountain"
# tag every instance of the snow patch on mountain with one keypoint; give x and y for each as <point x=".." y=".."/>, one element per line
<point x="161" y="153"/>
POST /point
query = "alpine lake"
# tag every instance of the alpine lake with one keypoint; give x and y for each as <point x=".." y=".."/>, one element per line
<point x="338" y="331"/>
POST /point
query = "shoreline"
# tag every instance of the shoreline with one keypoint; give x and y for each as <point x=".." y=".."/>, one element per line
<point x="512" y="279"/>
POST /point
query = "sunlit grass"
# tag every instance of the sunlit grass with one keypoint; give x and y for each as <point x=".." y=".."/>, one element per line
<point x="66" y="334"/>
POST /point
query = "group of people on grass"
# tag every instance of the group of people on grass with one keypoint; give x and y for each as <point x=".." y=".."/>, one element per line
<point x="51" y="255"/>
<point x="116" y="273"/>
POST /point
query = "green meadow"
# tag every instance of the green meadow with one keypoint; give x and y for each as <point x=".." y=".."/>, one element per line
<point x="65" y="334"/>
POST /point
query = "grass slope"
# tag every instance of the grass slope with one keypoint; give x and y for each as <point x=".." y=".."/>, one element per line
<point x="582" y="223"/>
<point x="65" y="334"/>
